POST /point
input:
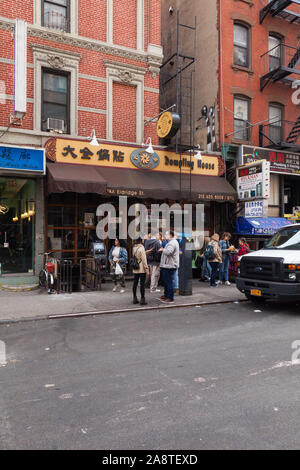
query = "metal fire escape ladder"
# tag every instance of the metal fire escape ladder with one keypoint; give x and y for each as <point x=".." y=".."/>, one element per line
<point x="295" y="132"/>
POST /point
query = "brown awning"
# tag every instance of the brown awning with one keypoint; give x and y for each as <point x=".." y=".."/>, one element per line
<point x="64" y="177"/>
<point x="137" y="183"/>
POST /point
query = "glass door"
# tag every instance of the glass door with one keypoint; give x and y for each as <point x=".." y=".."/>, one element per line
<point x="17" y="225"/>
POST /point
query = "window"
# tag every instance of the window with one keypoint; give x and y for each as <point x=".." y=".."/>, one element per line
<point x="275" y="122"/>
<point x="55" y="100"/>
<point x="56" y="14"/>
<point x="241" y="118"/>
<point x="274" y="52"/>
<point x="241" y="45"/>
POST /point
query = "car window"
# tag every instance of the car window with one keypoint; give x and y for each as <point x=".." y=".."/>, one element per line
<point x="287" y="238"/>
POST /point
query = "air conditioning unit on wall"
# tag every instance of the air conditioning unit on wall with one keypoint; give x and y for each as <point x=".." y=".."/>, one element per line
<point x="56" y="125"/>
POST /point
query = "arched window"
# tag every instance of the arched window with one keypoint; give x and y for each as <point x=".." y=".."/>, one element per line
<point x="241" y="45"/>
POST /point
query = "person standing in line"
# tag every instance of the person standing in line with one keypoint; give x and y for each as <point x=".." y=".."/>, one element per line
<point x="215" y="259"/>
<point x="140" y="273"/>
<point x="206" y="269"/>
<point x="118" y="259"/>
<point x="168" y="264"/>
<point x="226" y="250"/>
<point x="153" y="259"/>
<point x="243" y="247"/>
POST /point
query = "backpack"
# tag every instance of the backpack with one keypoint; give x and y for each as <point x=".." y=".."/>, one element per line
<point x="209" y="252"/>
<point x="133" y="263"/>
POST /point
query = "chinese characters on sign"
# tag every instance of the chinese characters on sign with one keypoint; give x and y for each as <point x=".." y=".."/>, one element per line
<point x="121" y="156"/>
<point x="253" y="181"/>
<point x="256" y="209"/>
<point x="22" y="159"/>
<point x="280" y="162"/>
<point x="86" y="154"/>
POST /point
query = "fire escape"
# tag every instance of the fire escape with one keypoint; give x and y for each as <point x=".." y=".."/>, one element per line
<point x="281" y="65"/>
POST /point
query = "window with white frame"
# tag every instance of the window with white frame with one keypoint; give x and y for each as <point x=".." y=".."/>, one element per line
<point x="241" y="45"/>
<point x="241" y="118"/>
<point x="275" y="122"/>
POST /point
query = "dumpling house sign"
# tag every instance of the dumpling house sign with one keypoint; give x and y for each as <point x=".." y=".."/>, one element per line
<point x="81" y="152"/>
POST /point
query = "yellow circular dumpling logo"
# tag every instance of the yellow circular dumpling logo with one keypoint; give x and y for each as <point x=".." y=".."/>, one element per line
<point x="164" y="125"/>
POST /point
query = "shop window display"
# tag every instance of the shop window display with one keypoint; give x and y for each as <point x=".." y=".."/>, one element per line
<point x="17" y="225"/>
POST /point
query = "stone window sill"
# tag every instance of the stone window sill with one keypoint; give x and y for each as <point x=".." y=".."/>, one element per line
<point x="240" y="68"/>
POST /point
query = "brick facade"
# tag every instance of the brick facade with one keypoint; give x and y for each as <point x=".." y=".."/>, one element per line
<point x="246" y="81"/>
<point x="115" y="35"/>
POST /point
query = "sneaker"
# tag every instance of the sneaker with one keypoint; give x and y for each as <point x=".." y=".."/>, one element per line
<point x="122" y="291"/>
<point x="214" y="285"/>
<point x="227" y="283"/>
<point x="219" y="283"/>
<point x="154" y="290"/>
<point x="115" y="289"/>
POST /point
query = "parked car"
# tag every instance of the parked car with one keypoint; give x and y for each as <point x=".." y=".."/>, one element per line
<point x="273" y="273"/>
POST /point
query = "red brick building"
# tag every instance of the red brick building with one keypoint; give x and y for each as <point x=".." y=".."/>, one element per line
<point x="68" y="67"/>
<point x="109" y="52"/>
<point x="247" y="66"/>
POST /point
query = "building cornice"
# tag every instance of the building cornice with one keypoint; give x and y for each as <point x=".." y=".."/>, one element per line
<point x="85" y="43"/>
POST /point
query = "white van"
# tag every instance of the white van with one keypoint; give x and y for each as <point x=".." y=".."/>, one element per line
<point x="273" y="273"/>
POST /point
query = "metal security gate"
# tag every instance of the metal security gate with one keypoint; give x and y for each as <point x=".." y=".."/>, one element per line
<point x="90" y="274"/>
<point x="65" y="276"/>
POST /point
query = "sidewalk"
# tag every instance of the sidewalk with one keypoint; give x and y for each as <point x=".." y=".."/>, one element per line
<point x="37" y="304"/>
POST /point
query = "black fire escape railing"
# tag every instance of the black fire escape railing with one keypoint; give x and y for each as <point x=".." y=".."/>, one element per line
<point x="273" y="8"/>
<point x="278" y="63"/>
<point x="280" y="134"/>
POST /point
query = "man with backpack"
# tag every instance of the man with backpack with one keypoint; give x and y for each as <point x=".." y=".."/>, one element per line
<point x="153" y="259"/>
<point x="213" y="253"/>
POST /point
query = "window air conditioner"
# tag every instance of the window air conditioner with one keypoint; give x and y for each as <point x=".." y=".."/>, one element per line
<point x="56" y="125"/>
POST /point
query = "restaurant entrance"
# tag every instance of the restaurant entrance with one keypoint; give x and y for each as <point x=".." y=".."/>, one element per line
<point x="17" y="225"/>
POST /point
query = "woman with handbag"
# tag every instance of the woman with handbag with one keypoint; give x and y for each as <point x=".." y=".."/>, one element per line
<point x="118" y="258"/>
<point x="140" y="269"/>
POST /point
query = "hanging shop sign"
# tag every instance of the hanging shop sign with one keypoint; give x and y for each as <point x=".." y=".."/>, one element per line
<point x="168" y="125"/>
<point x="22" y="159"/>
<point x="253" y="181"/>
<point x="257" y="208"/>
<point x="287" y="163"/>
<point x="120" y="156"/>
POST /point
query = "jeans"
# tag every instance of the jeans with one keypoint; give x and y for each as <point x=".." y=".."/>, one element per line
<point x="224" y="269"/>
<point x="168" y="279"/>
<point x="214" y="271"/>
<point x="154" y="275"/>
<point x="176" y="280"/>
<point x="206" y="269"/>
<point x="137" y="277"/>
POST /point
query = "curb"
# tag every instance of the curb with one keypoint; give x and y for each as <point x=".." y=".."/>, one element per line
<point x="113" y="312"/>
<point x="22" y="288"/>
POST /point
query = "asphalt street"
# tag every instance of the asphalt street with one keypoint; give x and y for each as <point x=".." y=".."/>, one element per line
<point x="217" y="377"/>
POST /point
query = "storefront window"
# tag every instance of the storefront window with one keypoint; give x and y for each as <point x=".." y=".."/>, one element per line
<point x="17" y="225"/>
